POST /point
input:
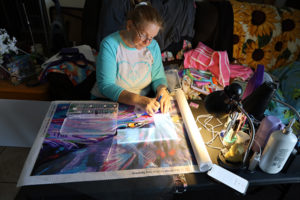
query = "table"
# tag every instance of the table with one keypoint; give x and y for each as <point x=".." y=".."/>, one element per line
<point x="159" y="187"/>
<point x="23" y="92"/>
<point x="201" y="183"/>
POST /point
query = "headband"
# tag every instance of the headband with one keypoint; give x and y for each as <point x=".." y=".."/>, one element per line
<point x="141" y="4"/>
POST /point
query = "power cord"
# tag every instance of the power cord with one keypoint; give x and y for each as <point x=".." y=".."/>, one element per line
<point x="255" y="159"/>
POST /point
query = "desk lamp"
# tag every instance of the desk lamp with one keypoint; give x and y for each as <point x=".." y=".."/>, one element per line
<point x="224" y="102"/>
<point x="256" y="103"/>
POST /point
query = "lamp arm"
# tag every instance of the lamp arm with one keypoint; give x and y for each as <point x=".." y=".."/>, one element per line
<point x="239" y="106"/>
<point x="287" y="105"/>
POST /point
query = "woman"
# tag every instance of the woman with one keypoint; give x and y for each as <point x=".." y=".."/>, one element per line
<point x="129" y="63"/>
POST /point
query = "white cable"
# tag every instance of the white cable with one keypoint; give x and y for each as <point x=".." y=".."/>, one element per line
<point x="206" y="122"/>
<point x="214" y="147"/>
<point x="211" y="128"/>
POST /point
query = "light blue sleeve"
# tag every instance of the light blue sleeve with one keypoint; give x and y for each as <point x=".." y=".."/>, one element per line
<point x="106" y="69"/>
<point x="157" y="73"/>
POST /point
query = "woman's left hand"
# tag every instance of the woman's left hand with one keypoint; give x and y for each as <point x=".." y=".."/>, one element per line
<point x="165" y="101"/>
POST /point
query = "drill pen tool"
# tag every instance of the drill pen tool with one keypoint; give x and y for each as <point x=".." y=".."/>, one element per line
<point x="159" y="98"/>
<point x="132" y="125"/>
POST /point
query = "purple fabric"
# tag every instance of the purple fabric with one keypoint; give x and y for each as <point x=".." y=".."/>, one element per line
<point x="255" y="81"/>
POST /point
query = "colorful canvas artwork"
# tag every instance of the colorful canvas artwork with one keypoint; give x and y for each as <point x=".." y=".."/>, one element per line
<point x="148" y="150"/>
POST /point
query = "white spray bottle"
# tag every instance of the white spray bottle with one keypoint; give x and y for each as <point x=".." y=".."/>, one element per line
<point x="278" y="149"/>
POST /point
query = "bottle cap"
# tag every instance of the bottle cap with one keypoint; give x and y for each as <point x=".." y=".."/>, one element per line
<point x="288" y="129"/>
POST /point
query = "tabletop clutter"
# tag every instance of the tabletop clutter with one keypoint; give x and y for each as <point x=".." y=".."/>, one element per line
<point x="205" y="71"/>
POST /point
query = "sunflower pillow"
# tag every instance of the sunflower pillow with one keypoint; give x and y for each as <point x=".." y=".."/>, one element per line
<point x="264" y="34"/>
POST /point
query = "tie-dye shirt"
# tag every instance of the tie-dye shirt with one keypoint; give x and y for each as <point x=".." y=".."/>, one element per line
<point x="120" y="67"/>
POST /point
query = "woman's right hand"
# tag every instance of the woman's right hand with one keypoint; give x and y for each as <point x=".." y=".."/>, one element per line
<point x="150" y="105"/>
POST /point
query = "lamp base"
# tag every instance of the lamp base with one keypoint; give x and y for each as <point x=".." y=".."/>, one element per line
<point x="232" y="166"/>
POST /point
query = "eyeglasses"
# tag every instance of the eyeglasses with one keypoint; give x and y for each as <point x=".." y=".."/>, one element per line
<point x="143" y="37"/>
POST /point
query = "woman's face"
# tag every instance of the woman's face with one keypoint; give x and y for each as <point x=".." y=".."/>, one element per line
<point x="143" y="34"/>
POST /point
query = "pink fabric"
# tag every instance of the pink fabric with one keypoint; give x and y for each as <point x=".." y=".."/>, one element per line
<point x="205" y="58"/>
<point x="219" y="67"/>
<point x="240" y="71"/>
<point x="198" y="58"/>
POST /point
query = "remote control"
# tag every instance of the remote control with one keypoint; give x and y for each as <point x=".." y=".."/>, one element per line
<point x="228" y="178"/>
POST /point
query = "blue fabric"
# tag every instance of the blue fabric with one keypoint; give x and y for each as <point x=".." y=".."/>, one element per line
<point x="288" y="92"/>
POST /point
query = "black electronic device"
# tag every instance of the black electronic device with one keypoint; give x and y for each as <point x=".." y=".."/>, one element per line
<point x="228" y="101"/>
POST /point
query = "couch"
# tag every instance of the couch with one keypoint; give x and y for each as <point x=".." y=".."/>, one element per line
<point x="262" y="34"/>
